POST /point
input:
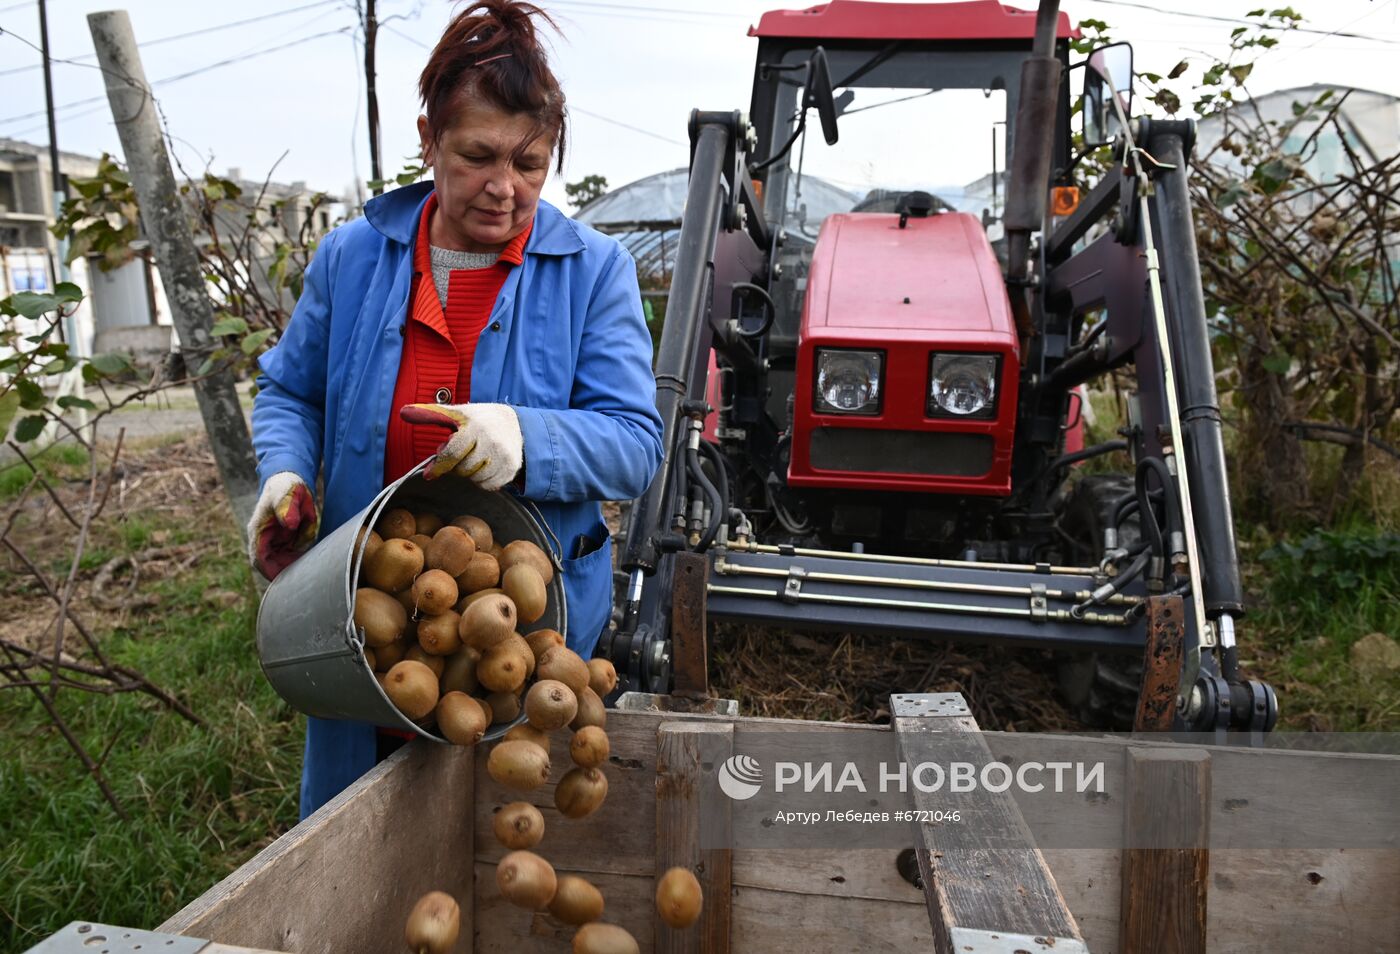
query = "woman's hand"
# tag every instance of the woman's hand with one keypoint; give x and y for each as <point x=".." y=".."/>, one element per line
<point x="486" y="446"/>
<point x="283" y="526"/>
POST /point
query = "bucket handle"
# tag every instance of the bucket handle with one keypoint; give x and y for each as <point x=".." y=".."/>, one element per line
<point x="556" y="552"/>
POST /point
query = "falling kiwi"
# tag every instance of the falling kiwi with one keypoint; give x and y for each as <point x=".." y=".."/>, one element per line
<point x="461" y="719"/>
<point x="518" y="825"/>
<point x="459" y="672"/>
<point x="380" y="616"/>
<point x="482" y="572"/>
<point x="600" y="938"/>
<point x="526" y="879"/>
<point x="523" y="551"/>
<point x="450" y="550"/>
<point x="396" y="524"/>
<point x="502" y="669"/>
<point x="543" y="639"/>
<point x="427" y="523"/>
<point x="563" y="664"/>
<point x="550" y="704"/>
<point x="602" y="676"/>
<point x="580" y="792"/>
<point x="528" y="733"/>
<point x="517" y="764"/>
<point x="478" y="529"/>
<point x="415" y="653"/>
<point x="591" y="711"/>
<point x="394" y="565"/>
<point x="522" y="583"/>
<point x="505" y="706"/>
<point x="433" y="924"/>
<point x="678" y="898"/>
<point x="412" y="687"/>
<point x="438" y="634"/>
<point x="487" y="622"/>
<point x="589" y="747"/>
<point x="576" y="901"/>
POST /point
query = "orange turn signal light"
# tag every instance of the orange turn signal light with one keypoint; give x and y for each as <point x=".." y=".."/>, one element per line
<point x="1064" y="200"/>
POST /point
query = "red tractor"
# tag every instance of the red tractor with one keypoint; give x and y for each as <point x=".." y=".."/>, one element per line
<point x="867" y="412"/>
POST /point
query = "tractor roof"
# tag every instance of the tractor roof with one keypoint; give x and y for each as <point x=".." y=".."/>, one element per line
<point x="862" y="20"/>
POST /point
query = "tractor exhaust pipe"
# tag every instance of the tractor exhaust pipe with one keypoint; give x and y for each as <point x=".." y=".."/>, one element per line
<point x="1028" y="180"/>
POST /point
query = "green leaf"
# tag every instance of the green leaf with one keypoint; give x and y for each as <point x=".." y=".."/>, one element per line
<point x="1277" y="362"/>
<point x="69" y="401"/>
<point x="110" y="364"/>
<point x="254" y="341"/>
<point x="31" y="396"/>
<point x="1241" y="73"/>
<point x="205" y="367"/>
<point x="1181" y="67"/>
<point x="229" y="325"/>
<point x="30" y="427"/>
<point x="1232" y="193"/>
<point x="1167" y="100"/>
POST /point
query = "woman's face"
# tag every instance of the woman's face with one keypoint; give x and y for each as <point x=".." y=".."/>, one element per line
<point x="488" y="185"/>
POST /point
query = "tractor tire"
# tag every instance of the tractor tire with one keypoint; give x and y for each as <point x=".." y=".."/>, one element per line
<point x="1100" y="689"/>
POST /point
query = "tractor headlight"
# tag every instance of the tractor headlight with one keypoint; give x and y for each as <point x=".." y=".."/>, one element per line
<point x="848" y="382"/>
<point x="962" y="385"/>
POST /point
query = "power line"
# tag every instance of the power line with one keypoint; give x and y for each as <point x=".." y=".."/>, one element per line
<point x="1252" y="23"/>
<point x="178" y="36"/>
<point x="654" y="8"/>
<point x="618" y="122"/>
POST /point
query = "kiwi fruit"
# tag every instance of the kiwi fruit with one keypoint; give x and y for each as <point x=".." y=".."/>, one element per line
<point x="518" y="764"/>
<point x="486" y="707"/>
<point x="394" y="565"/>
<point x="421" y="541"/>
<point x="408" y="602"/>
<point x="482" y="572"/>
<point x="370" y="659"/>
<point x="433" y="924"/>
<point x="461" y="719"/>
<point x="471" y="598"/>
<point x="427" y="523"/>
<point x="576" y="901"/>
<point x="602" y="676"/>
<point x="380" y="616"/>
<point x="550" y="704"/>
<point x="529" y="733"/>
<point x="412" y="687"/>
<point x="518" y="825"/>
<point x="522" y="583"/>
<point x="517" y="642"/>
<point x="563" y="664"/>
<point x="396" y="523"/>
<point x="438" y="634"/>
<point x="591" y="711"/>
<point x="678" y="898"/>
<point x="486" y="622"/>
<point x="434" y="592"/>
<point x="478" y="529"/>
<point x="600" y="938"/>
<point x="589" y="747"/>
<point x="459" y="673"/>
<point x="526" y="880"/>
<point x="368" y="539"/>
<point x="450" y="550"/>
<point x="580" y="792"/>
<point x="386" y="656"/>
<point x="502" y="669"/>
<point x="505" y="706"/>
<point x="415" y="653"/>
<point x="542" y="639"/>
<point x="523" y="551"/>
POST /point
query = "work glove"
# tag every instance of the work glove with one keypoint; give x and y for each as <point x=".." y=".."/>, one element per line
<point x="486" y="446"/>
<point x="283" y="526"/>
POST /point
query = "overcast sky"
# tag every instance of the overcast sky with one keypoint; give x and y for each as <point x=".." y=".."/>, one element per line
<point x="631" y="70"/>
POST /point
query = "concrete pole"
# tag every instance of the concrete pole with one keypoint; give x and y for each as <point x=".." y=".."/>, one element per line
<point x="138" y="125"/>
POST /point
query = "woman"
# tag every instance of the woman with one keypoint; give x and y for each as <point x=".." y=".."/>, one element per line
<point x="468" y="319"/>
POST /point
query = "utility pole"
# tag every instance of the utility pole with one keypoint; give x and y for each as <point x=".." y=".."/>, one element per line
<point x="163" y="215"/>
<point x="371" y="26"/>
<point x="59" y="268"/>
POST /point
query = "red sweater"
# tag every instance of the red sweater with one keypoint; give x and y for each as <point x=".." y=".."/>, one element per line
<point x="440" y="343"/>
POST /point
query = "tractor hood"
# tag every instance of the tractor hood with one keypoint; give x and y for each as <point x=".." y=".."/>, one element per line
<point x="936" y="280"/>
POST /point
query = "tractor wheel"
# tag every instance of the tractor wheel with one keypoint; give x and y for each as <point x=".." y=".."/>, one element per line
<point x="1101" y="689"/>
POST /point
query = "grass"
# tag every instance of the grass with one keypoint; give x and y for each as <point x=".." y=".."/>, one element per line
<point x="58" y="462"/>
<point x="203" y="799"/>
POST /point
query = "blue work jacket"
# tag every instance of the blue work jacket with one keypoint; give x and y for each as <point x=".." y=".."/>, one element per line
<point x="566" y="346"/>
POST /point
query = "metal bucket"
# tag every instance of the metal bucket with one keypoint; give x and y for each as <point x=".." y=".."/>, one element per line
<point x="308" y="644"/>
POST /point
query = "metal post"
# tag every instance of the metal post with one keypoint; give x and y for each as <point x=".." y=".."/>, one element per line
<point x="371" y="97"/>
<point x="162" y="213"/>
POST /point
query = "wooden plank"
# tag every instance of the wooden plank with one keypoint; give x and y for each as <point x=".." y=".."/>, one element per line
<point x="982" y="874"/>
<point x="346" y="878"/>
<point x="1166" y="859"/>
<point x="693" y="829"/>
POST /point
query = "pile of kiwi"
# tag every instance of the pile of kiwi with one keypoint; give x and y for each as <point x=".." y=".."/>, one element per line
<point x="441" y="604"/>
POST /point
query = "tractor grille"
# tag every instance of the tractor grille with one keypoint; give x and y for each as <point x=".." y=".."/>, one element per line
<point x="929" y="453"/>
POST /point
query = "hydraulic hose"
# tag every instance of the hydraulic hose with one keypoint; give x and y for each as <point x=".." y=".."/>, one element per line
<point x="697" y="474"/>
<point x="722" y="476"/>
